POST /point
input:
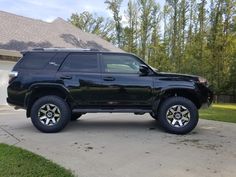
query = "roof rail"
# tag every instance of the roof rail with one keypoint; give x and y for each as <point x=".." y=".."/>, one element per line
<point x="62" y="49"/>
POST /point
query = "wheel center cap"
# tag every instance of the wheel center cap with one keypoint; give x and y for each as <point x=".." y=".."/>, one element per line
<point x="49" y="114"/>
<point x="178" y="115"/>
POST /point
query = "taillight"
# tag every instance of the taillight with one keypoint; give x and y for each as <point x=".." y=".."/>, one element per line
<point x="12" y="75"/>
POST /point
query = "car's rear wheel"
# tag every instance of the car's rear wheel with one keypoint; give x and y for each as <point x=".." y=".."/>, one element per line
<point x="75" y="116"/>
<point x="178" y="115"/>
<point x="50" y="114"/>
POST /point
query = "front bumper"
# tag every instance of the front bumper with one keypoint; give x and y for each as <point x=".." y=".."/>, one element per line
<point x="208" y="100"/>
<point x="205" y="105"/>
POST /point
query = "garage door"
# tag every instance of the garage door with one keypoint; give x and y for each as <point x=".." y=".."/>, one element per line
<point x="5" y="68"/>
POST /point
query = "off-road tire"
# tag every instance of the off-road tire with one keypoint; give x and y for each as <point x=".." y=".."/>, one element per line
<point x="172" y="101"/>
<point x="65" y="113"/>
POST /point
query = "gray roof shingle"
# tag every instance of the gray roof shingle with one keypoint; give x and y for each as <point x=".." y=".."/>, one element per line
<point x="22" y="33"/>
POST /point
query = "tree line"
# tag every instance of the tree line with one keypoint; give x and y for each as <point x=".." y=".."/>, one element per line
<point x="186" y="36"/>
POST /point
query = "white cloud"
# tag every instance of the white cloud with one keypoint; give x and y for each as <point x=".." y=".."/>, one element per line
<point x="49" y="19"/>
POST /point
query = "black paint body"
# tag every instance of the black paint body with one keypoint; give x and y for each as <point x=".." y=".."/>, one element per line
<point x="101" y="91"/>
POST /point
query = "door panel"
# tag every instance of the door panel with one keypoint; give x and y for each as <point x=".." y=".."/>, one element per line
<point x="83" y="87"/>
<point x="80" y="73"/>
<point x="127" y="90"/>
<point x="122" y="84"/>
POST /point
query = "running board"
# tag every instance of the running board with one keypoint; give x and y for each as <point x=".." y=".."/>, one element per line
<point x="111" y="110"/>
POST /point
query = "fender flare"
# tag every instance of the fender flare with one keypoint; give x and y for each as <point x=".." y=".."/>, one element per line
<point x="191" y="89"/>
<point x="39" y="86"/>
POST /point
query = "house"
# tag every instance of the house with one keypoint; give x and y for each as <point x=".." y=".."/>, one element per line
<point x="19" y="33"/>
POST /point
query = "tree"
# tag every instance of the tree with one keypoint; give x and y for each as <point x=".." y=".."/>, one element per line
<point x="175" y="35"/>
<point x="90" y="23"/>
<point x="114" y="6"/>
<point x="202" y="27"/>
<point x="145" y="7"/>
<point x="131" y="31"/>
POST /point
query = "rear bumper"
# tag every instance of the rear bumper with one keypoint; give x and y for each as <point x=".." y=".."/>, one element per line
<point x="15" y="95"/>
<point x="14" y="104"/>
<point x="10" y="102"/>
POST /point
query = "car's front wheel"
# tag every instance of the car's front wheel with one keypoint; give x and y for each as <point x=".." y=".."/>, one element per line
<point x="178" y="115"/>
<point x="50" y="114"/>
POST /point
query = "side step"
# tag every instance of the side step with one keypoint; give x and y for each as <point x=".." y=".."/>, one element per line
<point x="111" y="110"/>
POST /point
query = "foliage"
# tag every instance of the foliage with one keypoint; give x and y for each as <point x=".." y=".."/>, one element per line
<point x="91" y="23"/>
<point x="114" y="6"/>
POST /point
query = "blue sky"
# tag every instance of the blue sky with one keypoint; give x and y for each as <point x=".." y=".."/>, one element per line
<point x="48" y="10"/>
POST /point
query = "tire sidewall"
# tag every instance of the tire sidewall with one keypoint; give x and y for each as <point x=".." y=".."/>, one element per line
<point x="64" y="117"/>
<point x="178" y="101"/>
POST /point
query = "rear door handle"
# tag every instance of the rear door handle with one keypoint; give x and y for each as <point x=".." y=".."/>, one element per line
<point x="109" y="78"/>
<point x="66" y="77"/>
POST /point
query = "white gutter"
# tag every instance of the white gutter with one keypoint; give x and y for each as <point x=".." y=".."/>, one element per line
<point x="11" y="53"/>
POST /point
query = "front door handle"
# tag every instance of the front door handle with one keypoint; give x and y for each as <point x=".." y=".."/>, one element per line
<point x="66" y="77"/>
<point x="109" y="78"/>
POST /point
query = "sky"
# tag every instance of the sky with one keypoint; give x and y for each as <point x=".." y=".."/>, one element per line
<point x="48" y="10"/>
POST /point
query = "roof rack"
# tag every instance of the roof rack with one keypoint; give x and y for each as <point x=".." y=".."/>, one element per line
<point x="63" y="49"/>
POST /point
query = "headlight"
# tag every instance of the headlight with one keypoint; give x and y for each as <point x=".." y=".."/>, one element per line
<point x="202" y="80"/>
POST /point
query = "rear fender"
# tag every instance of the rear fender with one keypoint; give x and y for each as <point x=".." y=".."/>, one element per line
<point x="42" y="89"/>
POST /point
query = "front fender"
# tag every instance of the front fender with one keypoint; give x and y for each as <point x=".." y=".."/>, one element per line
<point x="177" y="88"/>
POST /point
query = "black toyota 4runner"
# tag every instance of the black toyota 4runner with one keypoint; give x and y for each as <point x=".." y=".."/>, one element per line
<point x="59" y="85"/>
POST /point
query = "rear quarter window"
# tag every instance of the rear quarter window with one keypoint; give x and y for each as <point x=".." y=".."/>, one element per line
<point x="35" y="60"/>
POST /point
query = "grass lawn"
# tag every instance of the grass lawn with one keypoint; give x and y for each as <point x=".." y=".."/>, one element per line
<point x="220" y="112"/>
<point x="18" y="162"/>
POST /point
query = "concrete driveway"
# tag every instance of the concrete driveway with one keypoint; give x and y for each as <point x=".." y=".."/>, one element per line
<point x="125" y="145"/>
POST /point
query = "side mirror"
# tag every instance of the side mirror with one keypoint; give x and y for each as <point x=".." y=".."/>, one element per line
<point x="144" y="70"/>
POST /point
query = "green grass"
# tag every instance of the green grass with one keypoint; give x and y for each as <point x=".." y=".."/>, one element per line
<point x="220" y="112"/>
<point x="16" y="162"/>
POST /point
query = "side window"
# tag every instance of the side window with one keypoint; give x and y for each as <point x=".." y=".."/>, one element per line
<point x="81" y="62"/>
<point x="120" y="64"/>
<point x="35" y="60"/>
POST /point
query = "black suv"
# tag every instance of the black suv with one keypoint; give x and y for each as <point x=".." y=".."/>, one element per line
<point x="59" y="85"/>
